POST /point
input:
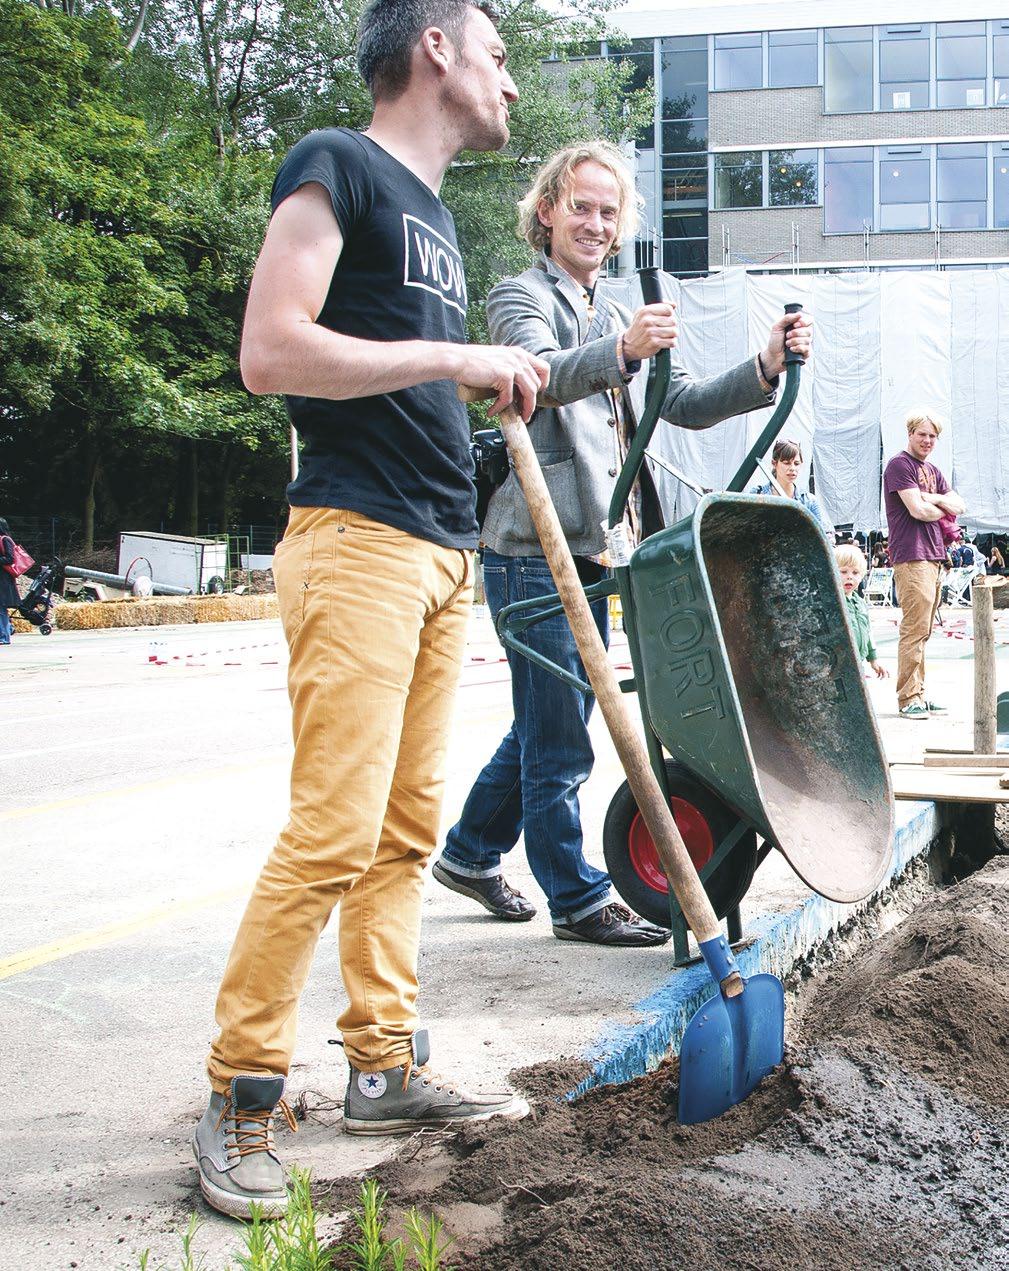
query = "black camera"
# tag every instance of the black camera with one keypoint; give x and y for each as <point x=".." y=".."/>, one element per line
<point x="490" y="462"/>
<point x="490" y="455"/>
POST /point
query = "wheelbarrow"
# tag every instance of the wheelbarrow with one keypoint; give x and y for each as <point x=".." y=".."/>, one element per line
<point x="757" y="722"/>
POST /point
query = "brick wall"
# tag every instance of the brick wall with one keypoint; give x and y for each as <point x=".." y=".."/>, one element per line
<point x="764" y="235"/>
<point x="784" y="116"/>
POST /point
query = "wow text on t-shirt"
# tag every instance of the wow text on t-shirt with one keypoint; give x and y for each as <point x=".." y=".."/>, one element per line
<point x="433" y="264"/>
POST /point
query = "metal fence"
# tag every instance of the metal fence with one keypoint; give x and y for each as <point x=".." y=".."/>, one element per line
<point x="41" y="536"/>
<point x="261" y="539"/>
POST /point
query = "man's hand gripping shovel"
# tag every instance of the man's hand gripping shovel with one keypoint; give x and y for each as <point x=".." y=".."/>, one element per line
<point x="736" y="1037"/>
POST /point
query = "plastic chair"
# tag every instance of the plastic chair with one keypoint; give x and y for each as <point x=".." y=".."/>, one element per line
<point x="879" y="586"/>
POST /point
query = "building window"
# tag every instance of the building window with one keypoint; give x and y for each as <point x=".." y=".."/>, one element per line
<point x="962" y="186"/>
<point x="847" y="68"/>
<point x="791" y="178"/>
<point x="684" y="181"/>
<point x="685" y="256"/>
<point x="639" y="57"/>
<point x="685" y="78"/>
<point x="903" y="68"/>
<point x="847" y="190"/>
<point x="904" y="188"/>
<point x="792" y="59"/>
<point x="684" y="134"/>
<point x="739" y="179"/>
<point x="961" y="63"/>
<point x="1001" y="50"/>
<point x="738" y="61"/>
<point x="1000" y="184"/>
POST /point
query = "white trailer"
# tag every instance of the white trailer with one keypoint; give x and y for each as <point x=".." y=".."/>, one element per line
<point x="199" y="564"/>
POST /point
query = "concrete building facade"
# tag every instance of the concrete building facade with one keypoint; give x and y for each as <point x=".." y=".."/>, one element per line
<point x="821" y="135"/>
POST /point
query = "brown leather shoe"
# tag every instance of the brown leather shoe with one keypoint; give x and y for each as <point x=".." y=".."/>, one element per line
<point x="613" y="924"/>
<point x="493" y="893"/>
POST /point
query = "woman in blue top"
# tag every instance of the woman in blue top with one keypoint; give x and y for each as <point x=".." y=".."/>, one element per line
<point x="786" y="460"/>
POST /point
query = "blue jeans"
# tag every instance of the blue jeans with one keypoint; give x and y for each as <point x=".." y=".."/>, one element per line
<point x="5" y="625"/>
<point x="531" y="784"/>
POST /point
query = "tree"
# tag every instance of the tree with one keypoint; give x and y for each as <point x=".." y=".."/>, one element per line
<point x="137" y="149"/>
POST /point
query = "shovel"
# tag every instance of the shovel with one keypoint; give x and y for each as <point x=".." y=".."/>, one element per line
<point x="738" y="1035"/>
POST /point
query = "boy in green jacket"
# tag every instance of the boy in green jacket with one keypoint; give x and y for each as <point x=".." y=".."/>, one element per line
<point x="851" y="565"/>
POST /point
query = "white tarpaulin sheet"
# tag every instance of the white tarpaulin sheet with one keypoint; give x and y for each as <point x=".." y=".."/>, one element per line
<point x="712" y="318"/>
<point x="766" y="300"/>
<point x="845" y="376"/>
<point x="979" y="356"/>
<point x="914" y="356"/>
<point x="884" y="344"/>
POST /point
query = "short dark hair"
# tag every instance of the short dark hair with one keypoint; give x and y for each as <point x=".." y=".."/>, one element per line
<point x="784" y="449"/>
<point x="389" y="32"/>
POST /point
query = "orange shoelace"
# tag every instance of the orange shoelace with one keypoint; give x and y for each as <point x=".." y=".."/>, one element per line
<point x="428" y="1076"/>
<point x="254" y="1132"/>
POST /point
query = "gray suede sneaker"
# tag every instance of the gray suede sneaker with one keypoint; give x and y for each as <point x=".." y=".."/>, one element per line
<point x="411" y="1097"/>
<point x="234" y="1148"/>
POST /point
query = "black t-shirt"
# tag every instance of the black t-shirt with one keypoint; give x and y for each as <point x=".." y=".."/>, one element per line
<point x="401" y="458"/>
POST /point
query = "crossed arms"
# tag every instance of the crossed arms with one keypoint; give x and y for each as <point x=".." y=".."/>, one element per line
<point x="931" y="507"/>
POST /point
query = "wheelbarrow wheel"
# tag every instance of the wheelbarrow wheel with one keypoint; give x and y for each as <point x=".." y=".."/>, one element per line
<point x="703" y="820"/>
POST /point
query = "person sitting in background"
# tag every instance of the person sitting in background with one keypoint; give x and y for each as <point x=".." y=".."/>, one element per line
<point x="996" y="561"/>
<point x="851" y="566"/>
<point x="9" y="594"/>
<point x="786" y="460"/>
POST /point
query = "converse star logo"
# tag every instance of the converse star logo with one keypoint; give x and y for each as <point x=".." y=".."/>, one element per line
<point x="372" y="1085"/>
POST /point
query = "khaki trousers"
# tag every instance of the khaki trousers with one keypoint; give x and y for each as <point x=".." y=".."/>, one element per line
<point x="918" y="596"/>
<point x="376" y="622"/>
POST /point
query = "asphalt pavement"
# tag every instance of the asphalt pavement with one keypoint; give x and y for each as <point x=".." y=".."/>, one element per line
<point x="144" y="780"/>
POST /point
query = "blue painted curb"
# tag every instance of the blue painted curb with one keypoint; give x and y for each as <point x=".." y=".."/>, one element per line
<point x="778" y="942"/>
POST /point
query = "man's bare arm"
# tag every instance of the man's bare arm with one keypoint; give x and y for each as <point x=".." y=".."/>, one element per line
<point x="919" y="506"/>
<point x="285" y="350"/>
<point x="950" y="502"/>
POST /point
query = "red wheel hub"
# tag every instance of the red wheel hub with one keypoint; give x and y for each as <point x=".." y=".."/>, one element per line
<point x="696" y="835"/>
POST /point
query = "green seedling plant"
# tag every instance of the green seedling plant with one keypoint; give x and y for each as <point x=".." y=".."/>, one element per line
<point x="292" y="1243"/>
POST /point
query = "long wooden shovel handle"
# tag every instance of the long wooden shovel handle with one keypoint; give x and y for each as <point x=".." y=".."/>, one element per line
<point x="676" y="863"/>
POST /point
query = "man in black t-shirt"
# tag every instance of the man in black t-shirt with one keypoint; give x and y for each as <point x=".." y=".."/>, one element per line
<point x="356" y="314"/>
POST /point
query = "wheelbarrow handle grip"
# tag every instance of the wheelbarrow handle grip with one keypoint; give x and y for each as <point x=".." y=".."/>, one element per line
<point x="791" y="357"/>
<point x="676" y="863"/>
<point x="651" y="288"/>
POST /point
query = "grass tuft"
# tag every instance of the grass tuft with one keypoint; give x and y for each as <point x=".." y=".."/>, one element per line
<point x="292" y="1243"/>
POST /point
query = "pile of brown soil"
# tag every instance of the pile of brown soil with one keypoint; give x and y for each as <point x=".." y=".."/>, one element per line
<point x="878" y="1144"/>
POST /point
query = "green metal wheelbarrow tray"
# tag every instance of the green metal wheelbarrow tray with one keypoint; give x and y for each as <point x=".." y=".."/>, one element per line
<point x="756" y="715"/>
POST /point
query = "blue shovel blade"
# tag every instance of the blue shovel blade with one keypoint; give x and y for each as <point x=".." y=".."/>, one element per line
<point x="730" y="1045"/>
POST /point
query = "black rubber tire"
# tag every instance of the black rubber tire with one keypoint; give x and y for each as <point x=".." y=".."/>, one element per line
<point x="730" y="881"/>
<point x="45" y="629"/>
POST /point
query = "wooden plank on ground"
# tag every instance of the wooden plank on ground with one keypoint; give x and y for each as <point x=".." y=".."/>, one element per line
<point x="912" y="781"/>
<point x="951" y="759"/>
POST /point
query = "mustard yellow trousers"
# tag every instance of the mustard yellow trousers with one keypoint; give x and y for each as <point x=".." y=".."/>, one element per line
<point x="375" y="620"/>
<point x="918" y="589"/>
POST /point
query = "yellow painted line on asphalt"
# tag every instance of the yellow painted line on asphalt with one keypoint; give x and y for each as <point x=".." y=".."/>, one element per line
<point x="29" y="959"/>
<point x="159" y="783"/>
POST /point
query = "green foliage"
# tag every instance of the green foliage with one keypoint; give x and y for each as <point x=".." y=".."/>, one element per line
<point x="135" y="169"/>
<point x="292" y="1243"/>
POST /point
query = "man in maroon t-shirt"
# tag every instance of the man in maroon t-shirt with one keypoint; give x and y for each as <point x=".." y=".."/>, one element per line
<point x="917" y="497"/>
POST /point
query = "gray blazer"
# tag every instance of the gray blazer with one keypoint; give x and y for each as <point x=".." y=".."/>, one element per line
<point x="542" y="310"/>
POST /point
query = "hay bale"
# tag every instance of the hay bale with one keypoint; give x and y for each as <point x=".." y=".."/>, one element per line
<point x="148" y="612"/>
<point x="235" y="608"/>
<point x="159" y="611"/>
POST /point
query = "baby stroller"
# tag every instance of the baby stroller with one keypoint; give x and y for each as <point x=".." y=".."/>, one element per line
<point x="36" y="604"/>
